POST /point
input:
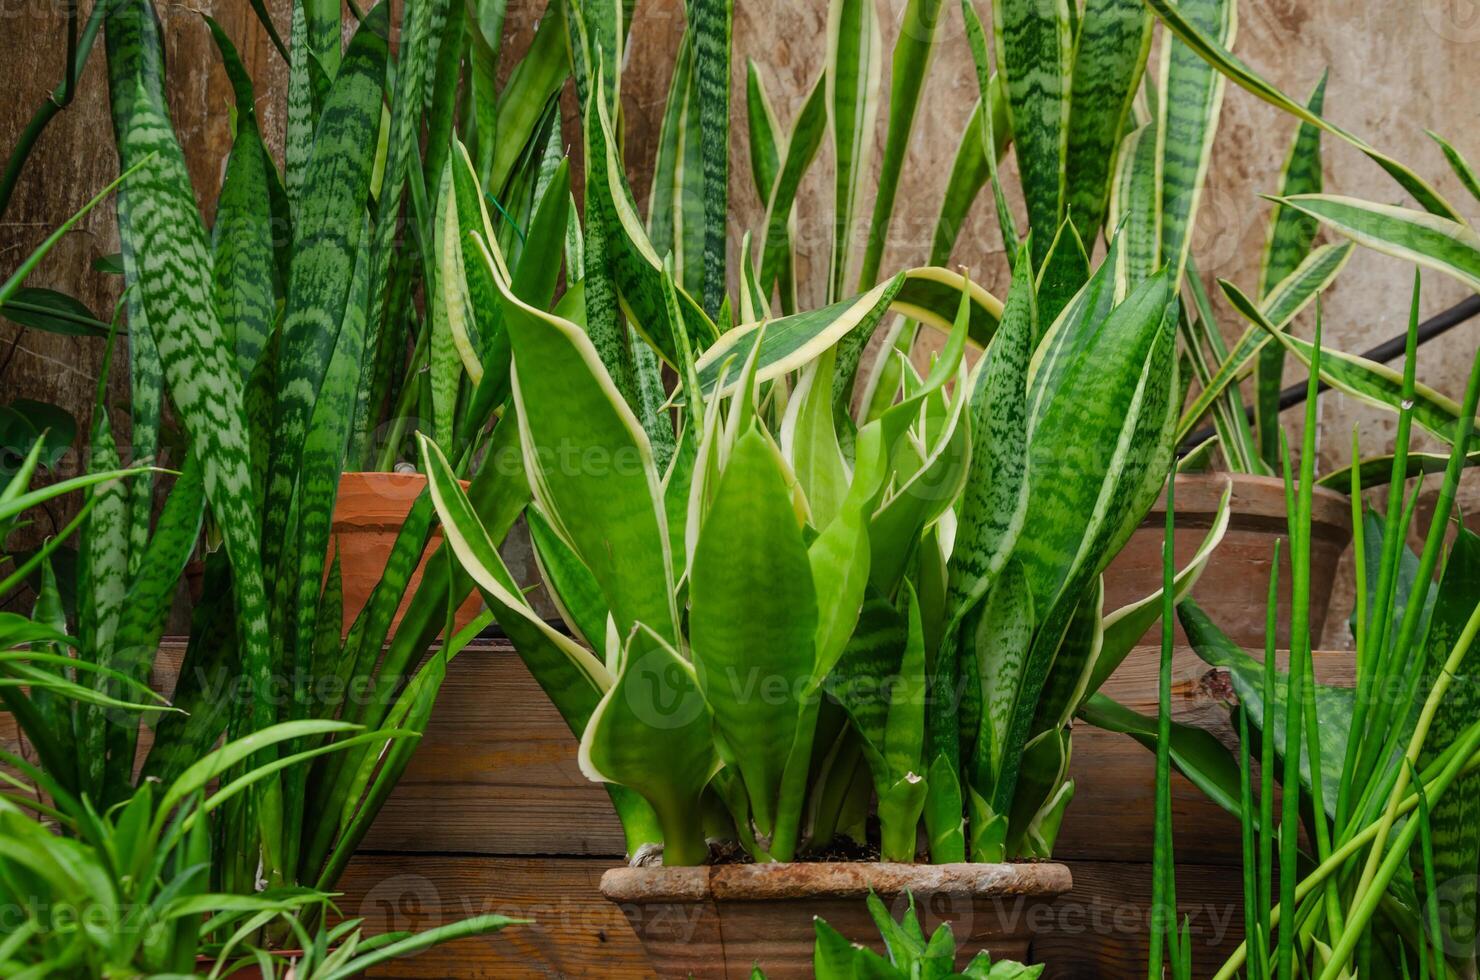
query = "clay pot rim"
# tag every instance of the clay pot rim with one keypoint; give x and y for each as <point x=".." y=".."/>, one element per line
<point x="1262" y="497"/>
<point x="842" y="879"/>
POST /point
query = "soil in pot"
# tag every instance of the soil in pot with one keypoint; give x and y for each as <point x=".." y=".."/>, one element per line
<point x="1234" y="588"/>
<point x="720" y="921"/>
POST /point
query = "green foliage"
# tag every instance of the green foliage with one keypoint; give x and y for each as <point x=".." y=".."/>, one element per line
<point x="1373" y="833"/>
<point x="128" y="891"/>
<point x="910" y="952"/>
<point x="288" y="344"/>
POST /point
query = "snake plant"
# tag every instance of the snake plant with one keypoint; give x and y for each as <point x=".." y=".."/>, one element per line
<point x="279" y="338"/>
<point x="773" y="624"/>
<point x="978" y="593"/>
<point x="1377" y="777"/>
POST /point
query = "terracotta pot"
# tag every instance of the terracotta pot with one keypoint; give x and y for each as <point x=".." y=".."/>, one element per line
<point x="368" y="514"/>
<point x="713" y="922"/>
<point x="1234" y="588"/>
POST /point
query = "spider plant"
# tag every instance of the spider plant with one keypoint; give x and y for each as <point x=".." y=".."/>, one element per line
<point x="1376" y="776"/>
<point x="126" y="891"/>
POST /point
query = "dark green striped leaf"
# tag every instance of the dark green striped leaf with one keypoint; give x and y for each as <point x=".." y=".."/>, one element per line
<point x="711" y="27"/>
<point x="995" y="128"/>
<point x="1110" y="53"/>
<point x="1191" y="97"/>
<point x="242" y="240"/>
<point x="336" y="186"/>
<point x="1290" y="237"/>
<point x="165" y="236"/>
<point x="1134" y="203"/>
<point x="1035" y="52"/>
<point x="147" y="604"/>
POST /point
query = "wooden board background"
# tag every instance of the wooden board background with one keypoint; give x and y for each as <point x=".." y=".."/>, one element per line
<point x="493" y="815"/>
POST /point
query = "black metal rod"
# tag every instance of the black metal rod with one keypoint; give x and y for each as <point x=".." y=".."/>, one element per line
<point x="1436" y="325"/>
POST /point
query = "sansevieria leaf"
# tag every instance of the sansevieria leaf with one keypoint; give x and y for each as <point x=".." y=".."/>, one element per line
<point x="1191" y="97"/>
<point x="573" y="679"/>
<point x="1035" y="51"/>
<point x="635" y="267"/>
<point x="1378" y="384"/>
<point x="1279" y="309"/>
<point x="852" y="81"/>
<point x="336" y="185"/>
<point x="711" y="28"/>
<point x="753" y="618"/>
<point x="169" y="244"/>
<point x="1415" y="236"/>
<point x="1135" y="203"/>
<point x="652" y="732"/>
<point x="608" y="509"/>
<point x="1289" y="240"/>
<point x="669" y="174"/>
<point x="993" y="136"/>
<point x="801" y="147"/>
<point x="911" y="63"/>
<point x="1110" y="51"/>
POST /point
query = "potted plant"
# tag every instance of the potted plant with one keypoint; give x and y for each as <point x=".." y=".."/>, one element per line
<point x="935" y="563"/>
<point x="764" y="552"/>
<point x="264" y="354"/>
<point x="127" y="892"/>
<point x="1377" y="777"/>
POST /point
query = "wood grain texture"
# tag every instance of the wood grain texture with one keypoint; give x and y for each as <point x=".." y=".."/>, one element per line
<point x="499" y="764"/>
<point x="494" y="816"/>
<point x="1099" y="930"/>
<point x="497" y="772"/>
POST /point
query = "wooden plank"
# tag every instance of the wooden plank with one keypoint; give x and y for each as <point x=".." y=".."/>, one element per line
<point x="576" y="933"/>
<point x="498" y="764"/>
<point x="1097" y="930"/>
<point x="1102" y="927"/>
<point x="497" y="773"/>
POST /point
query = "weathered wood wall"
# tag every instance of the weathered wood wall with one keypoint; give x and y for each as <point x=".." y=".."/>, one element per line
<point x="494" y="815"/>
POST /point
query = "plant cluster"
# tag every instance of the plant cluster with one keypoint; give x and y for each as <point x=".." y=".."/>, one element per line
<point x="1360" y="846"/>
<point x="821" y="573"/>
